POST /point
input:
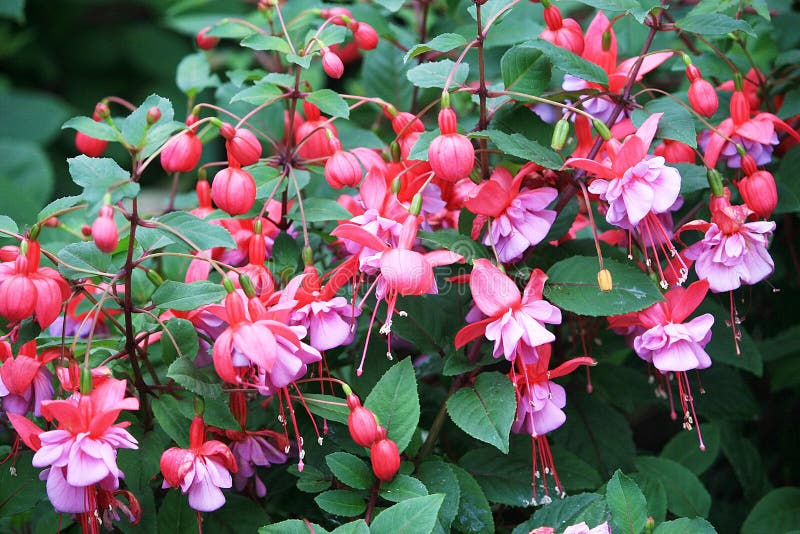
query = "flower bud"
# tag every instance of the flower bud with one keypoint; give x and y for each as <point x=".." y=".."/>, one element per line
<point x="86" y="230"/>
<point x="604" y="280"/>
<point x="552" y="17"/>
<point x="332" y="64"/>
<point x="18" y="294"/>
<point x="560" y="134"/>
<point x="153" y="115"/>
<point x="739" y="108"/>
<point x="154" y="277"/>
<point x="602" y="129"/>
<point x="343" y="169"/>
<point x="243" y="147"/>
<point x="90" y="146"/>
<point x="404" y="123"/>
<point x="451" y="155"/>
<point x="365" y="36"/>
<point x="104" y="230"/>
<point x="361" y="423"/>
<point x="234" y="190"/>
<point x="703" y="97"/>
<point x="338" y="15"/>
<point x="204" y="41"/>
<point x="749" y="165"/>
<point x="693" y="73"/>
<point x="182" y="152"/>
<point x="384" y="456"/>
<point x="759" y="192"/>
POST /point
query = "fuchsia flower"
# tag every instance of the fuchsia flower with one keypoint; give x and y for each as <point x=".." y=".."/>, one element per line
<point x="82" y="451"/>
<point x="514" y="321"/>
<point x="451" y="155"/>
<point x="732" y="252"/>
<point x="565" y="33"/>
<point x="519" y="218"/>
<point x="27" y="289"/>
<point x="25" y="382"/>
<point x="183" y="151"/>
<point x="665" y="339"/>
<point x="201" y="470"/>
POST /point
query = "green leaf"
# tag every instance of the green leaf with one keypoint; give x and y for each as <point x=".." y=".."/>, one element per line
<point x="525" y="70"/>
<point x="435" y="74"/>
<point x="167" y="412"/>
<point x="572" y="285"/>
<point x="383" y="75"/>
<point x="138" y="133"/>
<point x="194" y="74"/>
<point x="402" y="487"/>
<point x="257" y="94"/>
<point x="25" y="169"/>
<point x="569" y="62"/>
<point x="474" y="514"/>
<point x="452" y="240"/>
<point x="504" y="480"/>
<point x="20" y="487"/>
<point x="356" y="527"/>
<point x="13" y="9"/>
<point x="521" y="147"/>
<point x="56" y="206"/>
<point x="712" y="24"/>
<point x="486" y="409"/>
<point x="97" y="176"/>
<point x="441" y="43"/>
<point x="92" y="128"/>
<point x="655" y="494"/>
<point x="291" y="526"/>
<point x="175" y="516"/>
<point x="200" y="234"/>
<point x="778" y="511"/>
<point x="7" y="224"/>
<point x="677" y="123"/>
<point x="258" y="41"/>
<point x="409" y="516"/>
<point x="626" y="503"/>
<point x="420" y="149"/>
<point x="684" y="449"/>
<point x="330" y="103"/>
<point x="686" y="495"/>
<point x="561" y="513"/>
<point x="184" y="335"/>
<point x="82" y="260"/>
<point x="693" y="177"/>
<point x="311" y="480"/>
<point x="685" y="525"/>
<point x="341" y="502"/>
<point x="350" y="469"/>
<point x="327" y="406"/>
<point x="195" y="379"/>
<point x="439" y="478"/>
<point x="320" y="210"/>
<point x="173" y="295"/>
<point x="240" y="514"/>
<point x="302" y="61"/>
<point x="391" y="5"/>
<point x="395" y="401"/>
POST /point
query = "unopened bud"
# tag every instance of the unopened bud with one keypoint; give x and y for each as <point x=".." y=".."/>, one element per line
<point x="226" y="282"/>
<point x="34" y="232"/>
<point x="199" y="405"/>
<point x="153" y="115"/>
<point x="397" y="183"/>
<point x="715" y="182"/>
<point x="154" y="277"/>
<point x="308" y="256"/>
<point x="649" y="525"/>
<point x="560" y="134"/>
<point x="102" y="110"/>
<point x="606" y="40"/>
<point x="602" y="129"/>
<point x="247" y="285"/>
<point x="416" y="205"/>
<point x="394" y="147"/>
<point x="86" y="381"/>
<point x="604" y="280"/>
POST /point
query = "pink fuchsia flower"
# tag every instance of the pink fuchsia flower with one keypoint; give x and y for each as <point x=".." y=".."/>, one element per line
<point x="565" y="33"/>
<point x="451" y="155"/>
<point x="519" y="219"/>
<point x="242" y="145"/>
<point x="514" y="321"/>
<point x="201" y="470"/>
<point x="27" y="289"/>
<point x="732" y="252"/>
<point x="183" y="151"/>
<point x="25" y="382"/>
<point x="583" y="528"/>
<point x="633" y="183"/>
<point x="82" y="451"/>
<point x="671" y="343"/>
<point x="311" y="136"/>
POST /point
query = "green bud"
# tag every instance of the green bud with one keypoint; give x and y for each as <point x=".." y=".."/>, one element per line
<point x="86" y="380"/>
<point x="347" y="390"/>
<point x="686" y="59"/>
<point x="247" y="285"/>
<point x="416" y="204"/>
<point x="216" y="122"/>
<point x="34" y="232"/>
<point x="397" y="183"/>
<point x="602" y="129"/>
<point x="445" y="99"/>
<point x="740" y="149"/>
<point x="257" y="226"/>
<point x="154" y="277"/>
<point x="738" y="81"/>
<point x="606" y="40"/>
<point x="199" y="405"/>
<point x="560" y="134"/>
<point x="715" y="182"/>
<point x="226" y="282"/>
<point x="394" y="148"/>
<point x="308" y="256"/>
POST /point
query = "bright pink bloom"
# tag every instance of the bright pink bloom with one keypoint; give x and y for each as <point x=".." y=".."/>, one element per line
<point x="365" y="35"/>
<point x="311" y="136"/>
<point x="703" y="97"/>
<point x="25" y="382"/>
<point x="384" y="456"/>
<point x="583" y="528"/>
<point x="242" y="145"/>
<point x="565" y="33"/>
<point x="514" y="321"/>
<point x="759" y="192"/>
<point x="451" y="155"/>
<point x="519" y="219"/>
<point x="182" y="152"/>
<point x="342" y="169"/>
<point x="633" y="183"/>
<point x="201" y="470"/>
<point x="82" y="451"/>
<point x="26" y="288"/>
<point x="732" y="252"/>
<point x="234" y="190"/>
<point x="104" y="230"/>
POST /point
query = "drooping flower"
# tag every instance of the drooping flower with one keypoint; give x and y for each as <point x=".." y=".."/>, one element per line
<point x="519" y="219"/>
<point x="90" y="146"/>
<point x="25" y="382"/>
<point x="183" y="151"/>
<point x="565" y="33"/>
<point x="234" y="190"/>
<point x="732" y="252"/>
<point x="242" y="146"/>
<point x="201" y="470"/>
<point x="384" y="456"/>
<point x="514" y="321"/>
<point x="311" y="136"/>
<point x="104" y="230"/>
<point x="361" y="422"/>
<point x="451" y="155"/>
<point x="81" y="452"/>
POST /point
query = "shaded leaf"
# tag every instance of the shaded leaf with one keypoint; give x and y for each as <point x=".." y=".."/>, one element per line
<point x="626" y="503"/>
<point x="686" y="495"/>
<point x="395" y="402"/>
<point x="486" y="409"/>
